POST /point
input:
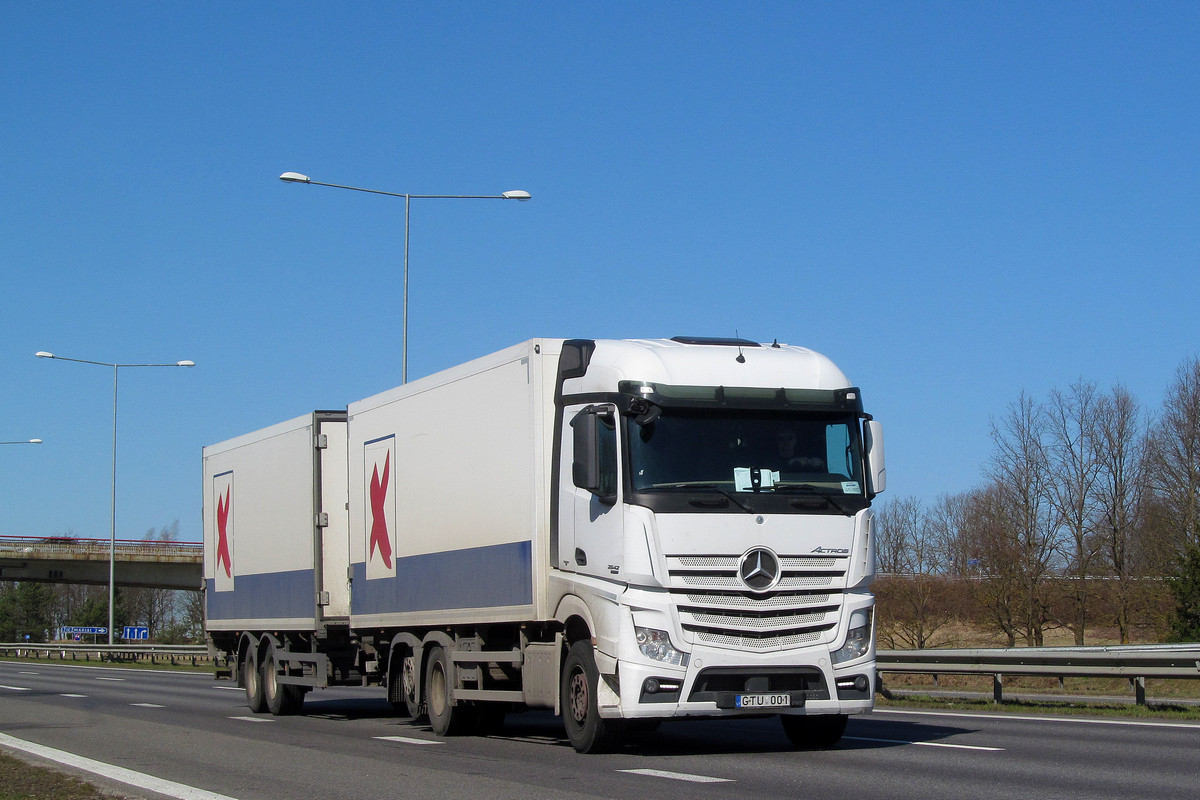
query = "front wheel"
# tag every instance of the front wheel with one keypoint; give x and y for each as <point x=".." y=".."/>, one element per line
<point x="586" y="730"/>
<point x="818" y="732"/>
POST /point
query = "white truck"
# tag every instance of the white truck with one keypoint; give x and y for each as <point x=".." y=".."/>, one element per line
<point x="621" y="531"/>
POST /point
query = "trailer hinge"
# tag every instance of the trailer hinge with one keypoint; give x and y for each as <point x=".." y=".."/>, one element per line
<point x="322" y="598"/>
<point x="322" y="520"/>
<point x="322" y="441"/>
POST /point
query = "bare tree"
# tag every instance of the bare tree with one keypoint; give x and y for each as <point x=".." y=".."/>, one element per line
<point x="914" y="593"/>
<point x="991" y="560"/>
<point x="1174" y="456"/>
<point x="1021" y="476"/>
<point x="1121" y="447"/>
<point x="1073" y="471"/>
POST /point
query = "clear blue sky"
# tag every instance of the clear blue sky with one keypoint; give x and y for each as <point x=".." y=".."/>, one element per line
<point x="954" y="201"/>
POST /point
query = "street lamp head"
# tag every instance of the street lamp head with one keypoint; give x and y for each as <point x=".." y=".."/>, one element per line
<point x="517" y="194"/>
<point x="43" y="354"/>
<point x="294" y="177"/>
<point x="185" y="363"/>
<point x="35" y="441"/>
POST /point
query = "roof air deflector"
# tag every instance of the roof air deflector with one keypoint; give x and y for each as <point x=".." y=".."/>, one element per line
<point x="714" y="340"/>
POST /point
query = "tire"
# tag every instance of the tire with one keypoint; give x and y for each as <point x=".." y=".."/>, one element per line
<point x="282" y="699"/>
<point x="395" y="686"/>
<point x="445" y="718"/>
<point x="818" y="732"/>
<point x="251" y="680"/>
<point x="408" y="686"/>
<point x="586" y="730"/>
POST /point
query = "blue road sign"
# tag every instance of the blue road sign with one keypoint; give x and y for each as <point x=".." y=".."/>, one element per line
<point x="132" y="632"/>
<point x="66" y="629"/>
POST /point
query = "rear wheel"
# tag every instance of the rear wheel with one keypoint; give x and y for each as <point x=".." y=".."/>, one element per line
<point x="395" y="687"/>
<point x="408" y="686"/>
<point x="586" y="730"/>
<point x="818" y="732"/>
<point x="252" y="683"/>
<point x="281" y="699"/>
<point x="445" y="718"/>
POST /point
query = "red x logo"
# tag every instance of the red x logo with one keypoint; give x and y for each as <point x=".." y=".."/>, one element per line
<point x="223" y="533"/>
<point x="379" y="531"/>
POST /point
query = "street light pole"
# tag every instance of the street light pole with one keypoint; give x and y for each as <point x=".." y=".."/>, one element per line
<point x="25" y="441"/>
<point x="112" y="541"/>
<point x="516" y="194"/>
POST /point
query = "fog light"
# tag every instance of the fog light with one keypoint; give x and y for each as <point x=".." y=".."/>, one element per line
<point x="652" y="686"/>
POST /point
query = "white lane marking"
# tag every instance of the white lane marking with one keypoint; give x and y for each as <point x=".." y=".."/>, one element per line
<point x="407" y="740"/>
<point x="147" y="705"/>
<point x="67" y="694"/>
<point x="926" y="744"/>
<point x="229" y="688"/>
<point x="15" y="688"/>
<point x="676" y="776"/>
<point x="127" y="776"/>
<point x="1023" y="718"/>
<point x="253" y="719"/>
<point x="110" y="679"/>
<point x="27" y="673"/>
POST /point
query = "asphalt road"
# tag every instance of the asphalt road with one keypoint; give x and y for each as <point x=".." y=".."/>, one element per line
<point x="197" y="732"/>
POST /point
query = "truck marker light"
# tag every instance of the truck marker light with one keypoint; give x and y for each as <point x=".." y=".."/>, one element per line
<point x="379" y="531"/>
<point x="223" y="535"/>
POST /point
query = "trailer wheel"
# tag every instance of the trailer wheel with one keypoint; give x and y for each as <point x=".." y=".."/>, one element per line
<point x="586" y="730"/>
<point x="818" y="732"/>
<point x="408" y="686"/>
<point x="401" y="683"/>
<point x="282" y="699"/>
<point x="445" y="718"/>
<point x="250" y="680"/>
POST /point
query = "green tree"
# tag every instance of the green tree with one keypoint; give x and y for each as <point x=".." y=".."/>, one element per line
<point x="25" y="610"/>
<point x="1185" y="622"/>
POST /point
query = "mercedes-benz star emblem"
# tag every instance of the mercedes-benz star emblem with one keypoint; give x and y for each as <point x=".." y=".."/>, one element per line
<point x="759" y="569"/>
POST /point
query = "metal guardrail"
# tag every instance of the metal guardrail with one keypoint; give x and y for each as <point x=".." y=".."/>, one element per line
<point x="174" y="654"/>
<point x="1134" y="662"/>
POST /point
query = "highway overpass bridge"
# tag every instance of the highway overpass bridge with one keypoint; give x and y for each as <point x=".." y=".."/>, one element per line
<point x="143" y="564"/>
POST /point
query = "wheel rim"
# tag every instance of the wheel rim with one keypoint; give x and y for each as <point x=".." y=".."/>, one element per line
<point x="251" y="677"/>
<point x="272" y="685"/>
<point x="408" y="678"/>
<point x="578" y="696"/>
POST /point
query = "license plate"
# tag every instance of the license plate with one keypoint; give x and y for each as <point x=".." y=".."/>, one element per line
<point x="763" y="700"/>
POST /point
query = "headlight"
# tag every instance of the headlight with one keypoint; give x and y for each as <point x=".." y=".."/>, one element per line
<point x="858" y="640"/>
<point x="657" y="645"/>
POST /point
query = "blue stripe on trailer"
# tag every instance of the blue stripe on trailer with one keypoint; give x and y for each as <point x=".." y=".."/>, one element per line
<point x="265" y="596"/>
<point x="478" y="577"/>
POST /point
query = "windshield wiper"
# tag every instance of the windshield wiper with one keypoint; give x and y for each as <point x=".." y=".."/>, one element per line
<point x="819" y="491"/>
<point x="705" y="485"/>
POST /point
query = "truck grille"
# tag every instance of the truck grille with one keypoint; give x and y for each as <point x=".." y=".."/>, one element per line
<point x="718" y="609"/>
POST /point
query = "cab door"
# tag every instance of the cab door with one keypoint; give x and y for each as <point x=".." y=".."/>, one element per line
<point x="590" y="529"/>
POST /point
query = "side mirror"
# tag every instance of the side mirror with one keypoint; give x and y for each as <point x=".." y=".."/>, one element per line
<point x="876" y="467"/>
<point x="585" y="469"/>
<point x="594" y="466"/>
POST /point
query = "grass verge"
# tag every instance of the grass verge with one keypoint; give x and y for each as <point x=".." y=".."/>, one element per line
<point x="22" y="781"/>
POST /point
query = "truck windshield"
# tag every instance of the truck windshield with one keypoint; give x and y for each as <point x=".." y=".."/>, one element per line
<point x="747" y="451"/>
